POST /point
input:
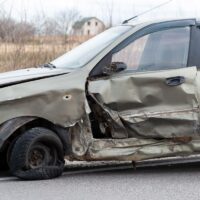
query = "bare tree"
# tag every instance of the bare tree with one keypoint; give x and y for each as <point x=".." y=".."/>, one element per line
<point x="50" y="27"/>
<point x="65" y="20"/>
<point x="39" y="23"/>
<point x="7" y="26"/>
<point x="28" y="42"/>
<point x="23" y="31"/>
<point x="108" y="9"/>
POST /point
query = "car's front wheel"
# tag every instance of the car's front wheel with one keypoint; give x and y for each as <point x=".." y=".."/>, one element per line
<point x="37" y="154"/>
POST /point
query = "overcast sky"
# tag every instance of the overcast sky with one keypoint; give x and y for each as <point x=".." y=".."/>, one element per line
<point x="122" y="9"/>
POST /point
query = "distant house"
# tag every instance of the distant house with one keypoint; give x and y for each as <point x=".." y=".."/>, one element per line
<point x="88" y="26"/>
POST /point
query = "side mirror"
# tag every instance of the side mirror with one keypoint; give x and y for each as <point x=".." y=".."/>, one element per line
<point x="114" y="68"/>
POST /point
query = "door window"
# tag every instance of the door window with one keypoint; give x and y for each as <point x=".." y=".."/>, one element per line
<point x="167" y="49"/>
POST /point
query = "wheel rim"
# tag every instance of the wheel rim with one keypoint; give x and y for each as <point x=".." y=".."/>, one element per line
<point x="41" y="155"/>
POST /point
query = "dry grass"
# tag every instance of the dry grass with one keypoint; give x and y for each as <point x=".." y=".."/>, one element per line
<point x="36" y="51"/>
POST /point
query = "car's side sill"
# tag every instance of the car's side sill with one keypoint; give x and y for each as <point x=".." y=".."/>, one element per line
<point x="168" y="161"/>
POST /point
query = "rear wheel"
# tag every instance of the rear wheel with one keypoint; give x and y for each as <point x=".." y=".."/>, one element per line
<point x="37" y="154"/>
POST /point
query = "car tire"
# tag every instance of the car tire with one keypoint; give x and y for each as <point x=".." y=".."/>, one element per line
<point x="37" y="155"/>
<point x="3" y="162"/>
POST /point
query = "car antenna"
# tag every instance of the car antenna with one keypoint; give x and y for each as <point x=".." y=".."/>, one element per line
<point x="147" y="11"/>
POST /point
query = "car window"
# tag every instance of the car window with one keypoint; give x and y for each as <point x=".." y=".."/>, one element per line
<point x="167" y="49"/>
<point x="82" y="54"/>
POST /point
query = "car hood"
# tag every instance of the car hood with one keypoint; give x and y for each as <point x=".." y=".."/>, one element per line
<point x="23" y="75"/>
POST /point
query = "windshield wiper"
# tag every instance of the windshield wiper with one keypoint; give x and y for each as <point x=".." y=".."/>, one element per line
<point x="49" y="65"/>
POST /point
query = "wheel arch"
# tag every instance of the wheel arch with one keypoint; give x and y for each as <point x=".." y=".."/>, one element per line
<point x="13" y="128"/>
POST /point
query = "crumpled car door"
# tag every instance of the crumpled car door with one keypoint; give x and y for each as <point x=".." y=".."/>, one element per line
<point x="161" y="104"/>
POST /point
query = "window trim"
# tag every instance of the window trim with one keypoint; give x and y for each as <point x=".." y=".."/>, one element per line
<point x="194" y="55"/>
<point x="97" y="70"/>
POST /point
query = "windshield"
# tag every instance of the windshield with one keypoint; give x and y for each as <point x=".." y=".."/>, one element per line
<point x="82" y="54"/>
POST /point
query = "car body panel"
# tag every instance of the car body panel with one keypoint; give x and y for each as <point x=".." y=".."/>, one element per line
<point x="24" y="75"/>
<point x="52" y="98"/>
<point x="146" y="106"/>
<point x="133" y="149"/>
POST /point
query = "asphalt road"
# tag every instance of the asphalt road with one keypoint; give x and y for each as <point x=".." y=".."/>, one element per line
<point x="160" y="183"/>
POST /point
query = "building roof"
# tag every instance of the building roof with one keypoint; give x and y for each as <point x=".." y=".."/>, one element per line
<point x="79" y="24"/>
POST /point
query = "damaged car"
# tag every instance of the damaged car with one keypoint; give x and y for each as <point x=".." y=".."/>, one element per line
<point x="129" y="94"/>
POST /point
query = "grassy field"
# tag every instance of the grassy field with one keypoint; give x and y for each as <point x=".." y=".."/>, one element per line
<point x="36" y="51"/>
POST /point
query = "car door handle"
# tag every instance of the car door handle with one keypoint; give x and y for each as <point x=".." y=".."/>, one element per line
<point x="175" y="81"/>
